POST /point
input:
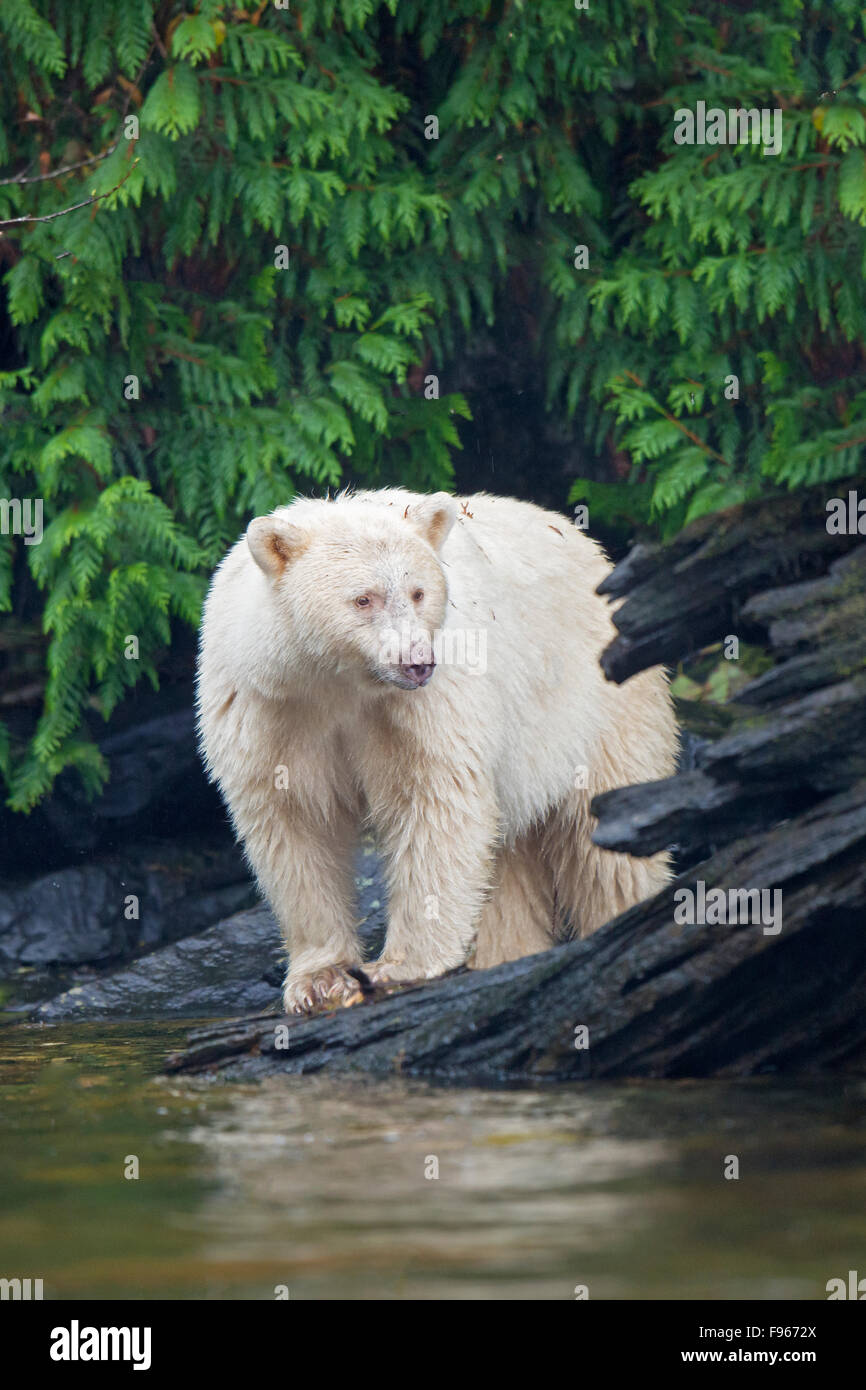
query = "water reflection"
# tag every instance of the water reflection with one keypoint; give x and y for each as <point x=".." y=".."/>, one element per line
<point x="322" y="1185"/>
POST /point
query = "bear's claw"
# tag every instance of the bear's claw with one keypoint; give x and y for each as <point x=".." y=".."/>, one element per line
<point x="320" y="989"/>
<point x="391" y="972"/>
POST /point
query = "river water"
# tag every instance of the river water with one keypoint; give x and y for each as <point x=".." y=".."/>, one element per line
<point x="325" y="1188"/>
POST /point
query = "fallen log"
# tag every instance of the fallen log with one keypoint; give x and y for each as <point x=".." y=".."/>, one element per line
<point x="693" y="590"/>
<point x="691" y="811"/>
<point x="794" y="734"/>
<point x="656" y="998"/>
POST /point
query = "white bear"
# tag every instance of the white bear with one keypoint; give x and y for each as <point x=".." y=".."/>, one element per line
<point x="428" y="666"/>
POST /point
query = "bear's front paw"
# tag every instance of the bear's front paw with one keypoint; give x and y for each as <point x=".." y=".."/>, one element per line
<point x="328" y="987"/>
<point x="385" y="971"/>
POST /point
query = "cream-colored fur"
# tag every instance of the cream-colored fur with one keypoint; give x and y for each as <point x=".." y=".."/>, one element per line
<point x="478" y="782"/>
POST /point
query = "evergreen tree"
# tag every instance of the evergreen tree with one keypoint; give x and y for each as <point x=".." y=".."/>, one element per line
<point x="293" y="217"/>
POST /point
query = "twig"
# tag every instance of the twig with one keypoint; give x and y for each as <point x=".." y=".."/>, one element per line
<point x="848" y="444"/>
<point x="49" y="217"/>
<point x="696" y="62"/>
<point x="94" y="158"/>
<point x="24" y="694"/>
<point x="66" y="169"/>
<point x="695" y="438"/>
<point x="158" y="41"/>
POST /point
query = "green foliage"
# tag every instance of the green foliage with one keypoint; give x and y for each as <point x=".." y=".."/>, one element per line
<point x="737" y="264"/>
<point x="167" y="374"/>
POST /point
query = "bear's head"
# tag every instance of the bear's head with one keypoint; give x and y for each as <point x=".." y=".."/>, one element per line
<point x="358" y="584"/>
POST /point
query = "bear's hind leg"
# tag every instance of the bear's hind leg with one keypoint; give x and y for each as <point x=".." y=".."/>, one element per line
<point x="518" y="917"/>
<point x="593" y="885"/>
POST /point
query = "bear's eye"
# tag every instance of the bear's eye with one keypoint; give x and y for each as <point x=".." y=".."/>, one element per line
<point x="363" y="601"/>
<point x="418" y="595"/>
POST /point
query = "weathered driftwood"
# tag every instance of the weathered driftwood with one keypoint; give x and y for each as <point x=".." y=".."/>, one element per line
<point x="776" y="800"/>
<point x="692" y="591"/>
<point x="691" y="811"/>
<point x="657" y="999"/>
<point x="769" y="766"/>
<point x="795" y="734"/>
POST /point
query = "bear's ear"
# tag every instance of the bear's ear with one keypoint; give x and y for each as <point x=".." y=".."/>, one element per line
<point x="433" y="517"/>
<point x="274" y="543"/>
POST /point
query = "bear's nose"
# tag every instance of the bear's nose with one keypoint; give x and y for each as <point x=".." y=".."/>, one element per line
<point x="418" y="673"/>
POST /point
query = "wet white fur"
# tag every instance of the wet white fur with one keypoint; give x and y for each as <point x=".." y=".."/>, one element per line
<point x="472" y="783"/>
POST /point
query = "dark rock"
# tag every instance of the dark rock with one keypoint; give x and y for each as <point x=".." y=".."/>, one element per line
<point x="236" y="965"/>
<point x="157" y="788"/>
<point x="156" y="785"/>
<point x="85" y="915"/>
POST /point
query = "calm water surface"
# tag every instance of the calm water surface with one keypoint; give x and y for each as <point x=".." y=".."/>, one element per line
<point x="319" y="1184"/>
